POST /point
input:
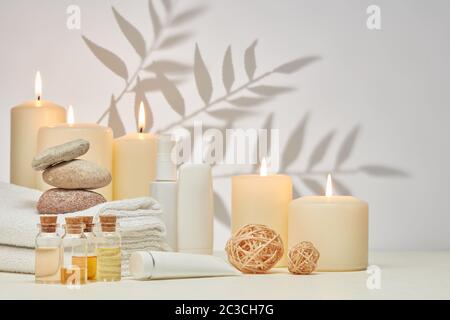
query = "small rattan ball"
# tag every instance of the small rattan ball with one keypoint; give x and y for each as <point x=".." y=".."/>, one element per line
<point x="254" y="248"/>
<point x="302" y="258"/>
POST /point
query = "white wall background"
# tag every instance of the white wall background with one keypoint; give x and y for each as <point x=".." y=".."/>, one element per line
<point x="392" y="83"/>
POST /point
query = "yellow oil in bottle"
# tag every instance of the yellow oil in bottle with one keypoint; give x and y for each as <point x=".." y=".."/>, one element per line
<point x="109" y="264"/>
<point x="92" y="268"/>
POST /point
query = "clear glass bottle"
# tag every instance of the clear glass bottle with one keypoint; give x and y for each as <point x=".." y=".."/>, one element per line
<point x="48" y="255"/>
<point x="74" y="244"/>
<point x="109" y="258"/>
<point x="91" y="247"/>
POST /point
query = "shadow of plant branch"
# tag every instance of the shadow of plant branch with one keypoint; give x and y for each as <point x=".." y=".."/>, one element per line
<point x="160" y="41"/>
<point x="155" y="76"/>
<point x="270" y="91"/>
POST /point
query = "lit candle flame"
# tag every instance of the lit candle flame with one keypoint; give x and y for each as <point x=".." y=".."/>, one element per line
<point x="38" y="86"/>
<point x="263" y="168"/>
<point x="141" y="118"/>
<point x="70" y="116"/>
<point x="329" y="190"/>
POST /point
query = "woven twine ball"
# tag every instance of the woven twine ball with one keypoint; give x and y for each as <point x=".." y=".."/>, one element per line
<point x="302" y="258"/>
<point x="254" y="248"/>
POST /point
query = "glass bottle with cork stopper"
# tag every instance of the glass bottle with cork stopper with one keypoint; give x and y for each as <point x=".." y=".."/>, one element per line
<point x="91" y="247"/>
<point x="109" y="257"/>
<point x="74" y="243"/>
<point x="48" y="255"/>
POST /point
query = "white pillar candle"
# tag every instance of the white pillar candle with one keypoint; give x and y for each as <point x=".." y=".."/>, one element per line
<point x="26" y="119"/>
<point x="336" y="225"/>
<point x="134" y="162"/>
<point x="100" y="151"/>
<point x="262" y="199"/>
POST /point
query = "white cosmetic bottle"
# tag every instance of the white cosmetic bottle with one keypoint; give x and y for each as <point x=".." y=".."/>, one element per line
<point x="195" y="209"/>
<point x="164" y="188"/>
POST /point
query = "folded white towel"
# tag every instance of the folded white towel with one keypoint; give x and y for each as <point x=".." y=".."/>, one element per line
<point x="17" y="260"/>
<point x="18" y="216"/>
<point x="139" y="221"/>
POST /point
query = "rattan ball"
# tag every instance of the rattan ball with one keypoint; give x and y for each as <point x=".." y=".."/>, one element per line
<point x="254" y="248"/>
<point x="302" y="258"/>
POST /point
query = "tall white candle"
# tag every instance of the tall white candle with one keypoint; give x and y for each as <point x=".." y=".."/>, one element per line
<point x="26" y="119"/>
<point x="99" y="137"/>
<point x="134" y="162"/>
<point x="336" y="225"/>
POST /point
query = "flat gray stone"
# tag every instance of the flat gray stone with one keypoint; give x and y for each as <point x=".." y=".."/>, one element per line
<point x="77" y="174"/>
<point x="60" y="153"/>
<point x="59" y="201"/>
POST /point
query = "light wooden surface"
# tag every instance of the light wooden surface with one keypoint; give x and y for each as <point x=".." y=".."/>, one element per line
<point x="405" y="275"/>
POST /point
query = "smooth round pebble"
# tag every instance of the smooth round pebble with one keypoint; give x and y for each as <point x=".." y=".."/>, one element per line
<point x="63" y="152"/>
<point x="77" y="174"/>
<point x="58" y="201"/>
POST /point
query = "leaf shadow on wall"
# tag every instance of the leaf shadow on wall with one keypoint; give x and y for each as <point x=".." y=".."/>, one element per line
<point x="312" y="179"/>
<point x="152" y="75"/>
<point x="163" y="76"/>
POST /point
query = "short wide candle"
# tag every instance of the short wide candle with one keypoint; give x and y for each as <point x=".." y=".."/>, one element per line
<point x="336" y="225"/>
<point x="262" y="199"/>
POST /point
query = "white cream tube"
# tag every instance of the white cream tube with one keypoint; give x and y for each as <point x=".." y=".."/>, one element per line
<point x="172" y="265"/>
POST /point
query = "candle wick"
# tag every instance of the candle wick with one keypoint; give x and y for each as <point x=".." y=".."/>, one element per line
<point x="141" y="130"/>
<point x="38" y="98"/>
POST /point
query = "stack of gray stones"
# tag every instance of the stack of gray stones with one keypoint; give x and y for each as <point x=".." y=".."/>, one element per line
<point x="73" y="179"/>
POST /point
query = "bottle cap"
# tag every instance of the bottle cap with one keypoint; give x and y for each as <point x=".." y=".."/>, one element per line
<point x="166" y="170"/>
<point x="73" y="220"/>
<point x="74" y="225"/>
<point x="48" y="223"/>
<point x="141" y="265"/>
<point x="108" y="222"/>
<point x="165" y="143"/>
<point x="88" y="224"/>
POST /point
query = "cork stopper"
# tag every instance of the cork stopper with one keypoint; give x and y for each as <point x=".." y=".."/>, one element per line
<point x="108" y="223"/>
<point x="48" y="223"/>
<point x="74" y="225"/>
<point x="88" y="223"/>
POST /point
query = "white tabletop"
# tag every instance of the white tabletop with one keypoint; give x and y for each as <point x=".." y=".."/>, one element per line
<point x="404" y="275"/>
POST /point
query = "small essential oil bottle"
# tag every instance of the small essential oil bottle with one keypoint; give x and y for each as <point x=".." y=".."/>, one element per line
<point x="48" y="253"/>
<point x="91" y="247"/>
<point x="74" y="243"/>
<point x="109" y="256"/>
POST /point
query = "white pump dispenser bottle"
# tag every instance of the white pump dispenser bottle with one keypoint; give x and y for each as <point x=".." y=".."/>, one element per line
<point x="164" y="188"/>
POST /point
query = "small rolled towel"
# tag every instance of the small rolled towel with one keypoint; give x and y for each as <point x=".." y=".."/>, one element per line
<point x="140" y="223"/>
